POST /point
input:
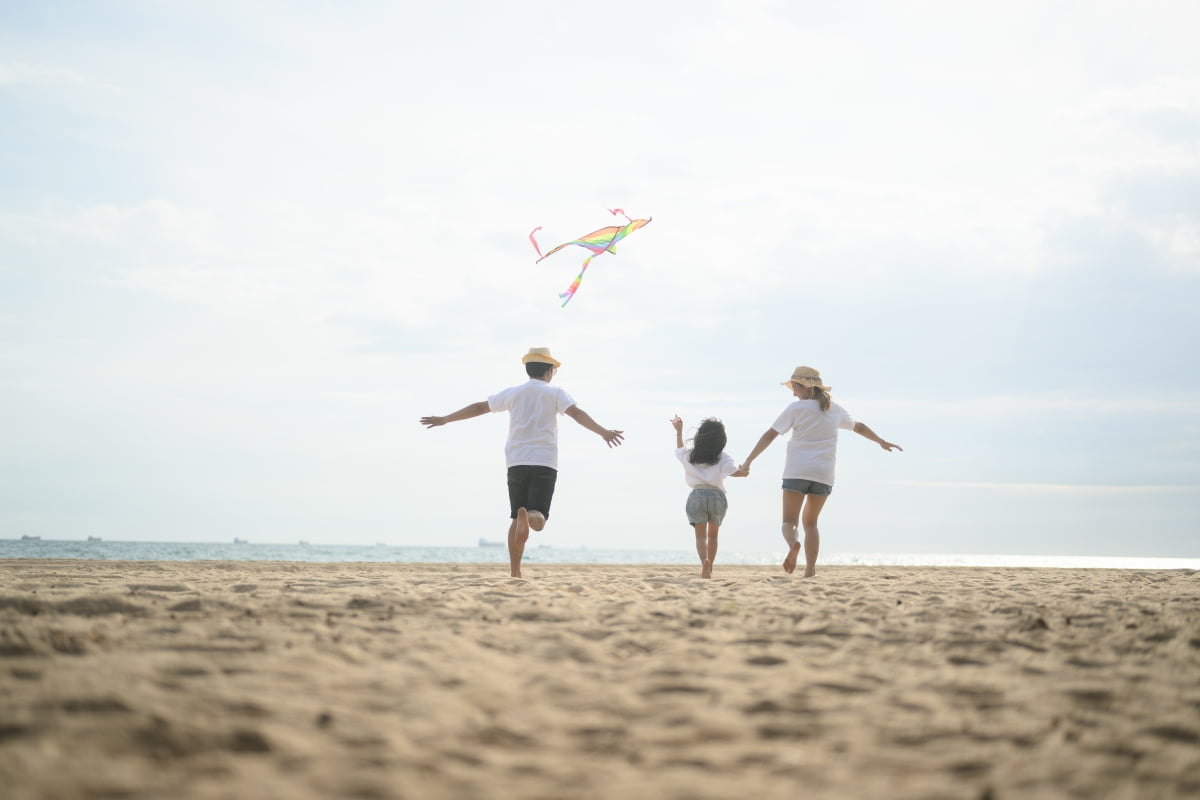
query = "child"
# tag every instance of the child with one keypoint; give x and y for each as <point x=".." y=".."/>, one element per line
<point x="705" y="467"/>
<point x="531" y="452"/>
<point x="814" y="420"/>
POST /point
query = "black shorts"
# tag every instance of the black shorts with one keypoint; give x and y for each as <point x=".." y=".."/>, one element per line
<point x="531" y="488"/>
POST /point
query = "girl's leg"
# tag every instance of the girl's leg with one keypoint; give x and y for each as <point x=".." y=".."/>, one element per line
<point x="701" y="545"/>
<point x="792" y="502"/>
<point x="812" y="537"/>
<point x="711" y="550"/>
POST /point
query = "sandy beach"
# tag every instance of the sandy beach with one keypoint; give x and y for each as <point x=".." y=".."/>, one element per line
<point x="305" y="680"/>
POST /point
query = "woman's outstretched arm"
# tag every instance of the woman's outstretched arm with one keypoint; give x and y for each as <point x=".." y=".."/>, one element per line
<point x="764" y="441"/>
<point x="862" y="430"/>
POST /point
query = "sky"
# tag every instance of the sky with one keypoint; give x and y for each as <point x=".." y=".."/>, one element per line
<point x="244" y="247"/>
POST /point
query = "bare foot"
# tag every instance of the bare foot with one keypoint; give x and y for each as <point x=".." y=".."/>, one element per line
<point x="789" y="563"/>
<point x="809" y="572"/>
<point x="706" y="571"/>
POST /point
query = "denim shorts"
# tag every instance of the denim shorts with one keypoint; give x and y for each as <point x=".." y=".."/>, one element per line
<point x="806" y="487"/>
<point x="706" y="504"/>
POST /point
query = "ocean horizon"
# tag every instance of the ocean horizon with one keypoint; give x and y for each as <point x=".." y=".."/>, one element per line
<point x="496" y="552"/>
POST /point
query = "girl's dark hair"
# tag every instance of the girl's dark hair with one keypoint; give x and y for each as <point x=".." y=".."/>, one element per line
<point x="709" y="442"/>
<point x="536" y="369"/>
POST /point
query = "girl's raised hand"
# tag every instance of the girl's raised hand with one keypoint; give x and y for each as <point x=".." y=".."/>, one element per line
<point x="678" y="423"/>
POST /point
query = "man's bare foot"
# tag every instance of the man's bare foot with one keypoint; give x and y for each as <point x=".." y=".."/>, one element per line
<point x="789" y="563"/>
<point x="809" y="572"/>
<point x="706" y="570"/>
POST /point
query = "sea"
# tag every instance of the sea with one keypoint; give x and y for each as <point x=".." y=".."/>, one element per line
<point x="496" y="552"/>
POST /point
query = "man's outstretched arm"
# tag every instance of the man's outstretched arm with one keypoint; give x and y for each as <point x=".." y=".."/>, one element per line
<point x="611" y="438"/>
<point x="466" y="412"/>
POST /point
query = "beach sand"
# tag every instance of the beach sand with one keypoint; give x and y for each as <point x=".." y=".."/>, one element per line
<point x="306" y="680"/>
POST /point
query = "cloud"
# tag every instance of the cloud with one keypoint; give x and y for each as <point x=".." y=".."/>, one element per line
<point x="21" y="74"/>
<point x="1178" y="404"/>
<point x="1053" y="488"/>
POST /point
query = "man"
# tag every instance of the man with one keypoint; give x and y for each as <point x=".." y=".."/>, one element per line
<point x="531" y="452"/>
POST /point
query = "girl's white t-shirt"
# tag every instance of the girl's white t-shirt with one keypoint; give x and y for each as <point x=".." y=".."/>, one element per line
<point x="812" y="450"/>
<point x="706" y="474"/>
<point x="533" y="409"/>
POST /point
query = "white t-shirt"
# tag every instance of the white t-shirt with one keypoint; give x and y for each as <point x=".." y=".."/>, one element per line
<point x="533" y="409"/>
<point x="812" y="450"/>
<point x="706" y="474"/>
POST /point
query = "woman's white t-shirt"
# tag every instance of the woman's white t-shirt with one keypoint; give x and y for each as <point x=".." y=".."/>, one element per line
<point x="812" y="450"/>
<point x="533" y="409"/>
<point x="706" y="474"/>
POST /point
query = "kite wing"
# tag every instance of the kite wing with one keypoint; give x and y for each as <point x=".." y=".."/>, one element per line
<point x="599" y="241"/>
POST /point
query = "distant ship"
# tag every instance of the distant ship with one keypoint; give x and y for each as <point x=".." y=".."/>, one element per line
<point x="239" y="541"/>
<point x="28" y="538"/>
<point x="303" y="543"/>
<point x="485" y="543"/>
<point x="95" y="539"/>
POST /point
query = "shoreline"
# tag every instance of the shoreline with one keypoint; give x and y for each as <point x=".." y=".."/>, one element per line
<point x="202" y="679"/>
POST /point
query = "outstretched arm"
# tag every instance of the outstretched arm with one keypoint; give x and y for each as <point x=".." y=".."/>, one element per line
<point x="764" y="441"/>
<point x="863" y="430"/>
<point x="466" y="412"/>
<point x="611" y="438"/>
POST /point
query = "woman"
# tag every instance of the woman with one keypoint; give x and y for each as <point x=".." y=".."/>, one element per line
<point x="814" y="420"/>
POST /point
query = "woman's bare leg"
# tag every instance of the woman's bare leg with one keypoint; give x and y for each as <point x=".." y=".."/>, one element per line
<point x="812" y="537"/>
<point x="791" y="521"/>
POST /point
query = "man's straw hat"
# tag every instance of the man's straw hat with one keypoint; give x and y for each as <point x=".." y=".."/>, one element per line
<point x="540" y="355"/>
<point x="806" y="376"/>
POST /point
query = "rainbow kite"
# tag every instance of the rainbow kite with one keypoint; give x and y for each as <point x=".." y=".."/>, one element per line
<point x="601" y="241"/>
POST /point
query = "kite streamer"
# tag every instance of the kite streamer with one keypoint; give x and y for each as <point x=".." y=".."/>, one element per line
<point x="601" y="241"/>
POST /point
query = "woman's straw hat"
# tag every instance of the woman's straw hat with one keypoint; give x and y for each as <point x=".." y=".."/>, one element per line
<point x="806" y="376"/>
<point x="540" y="355"/>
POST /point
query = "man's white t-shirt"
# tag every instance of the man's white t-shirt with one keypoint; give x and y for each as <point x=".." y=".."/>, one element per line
<point x="706" y="474"/>
<point x="812" y="450"/>
<point x="533" y="409"/>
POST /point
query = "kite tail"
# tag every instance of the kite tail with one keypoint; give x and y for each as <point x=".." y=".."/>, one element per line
<point x="570" y="292"/>
<point x="533" y="241"/>
<point x="621" y="211"/>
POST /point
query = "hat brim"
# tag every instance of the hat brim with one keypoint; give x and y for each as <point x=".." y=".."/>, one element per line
<point x="534" y="358"/>
<point x="809" y="383"/>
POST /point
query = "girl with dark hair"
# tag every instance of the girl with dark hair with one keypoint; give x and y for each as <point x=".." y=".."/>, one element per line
<point x="705" y="467"/>
<point x="814" y="420"/>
